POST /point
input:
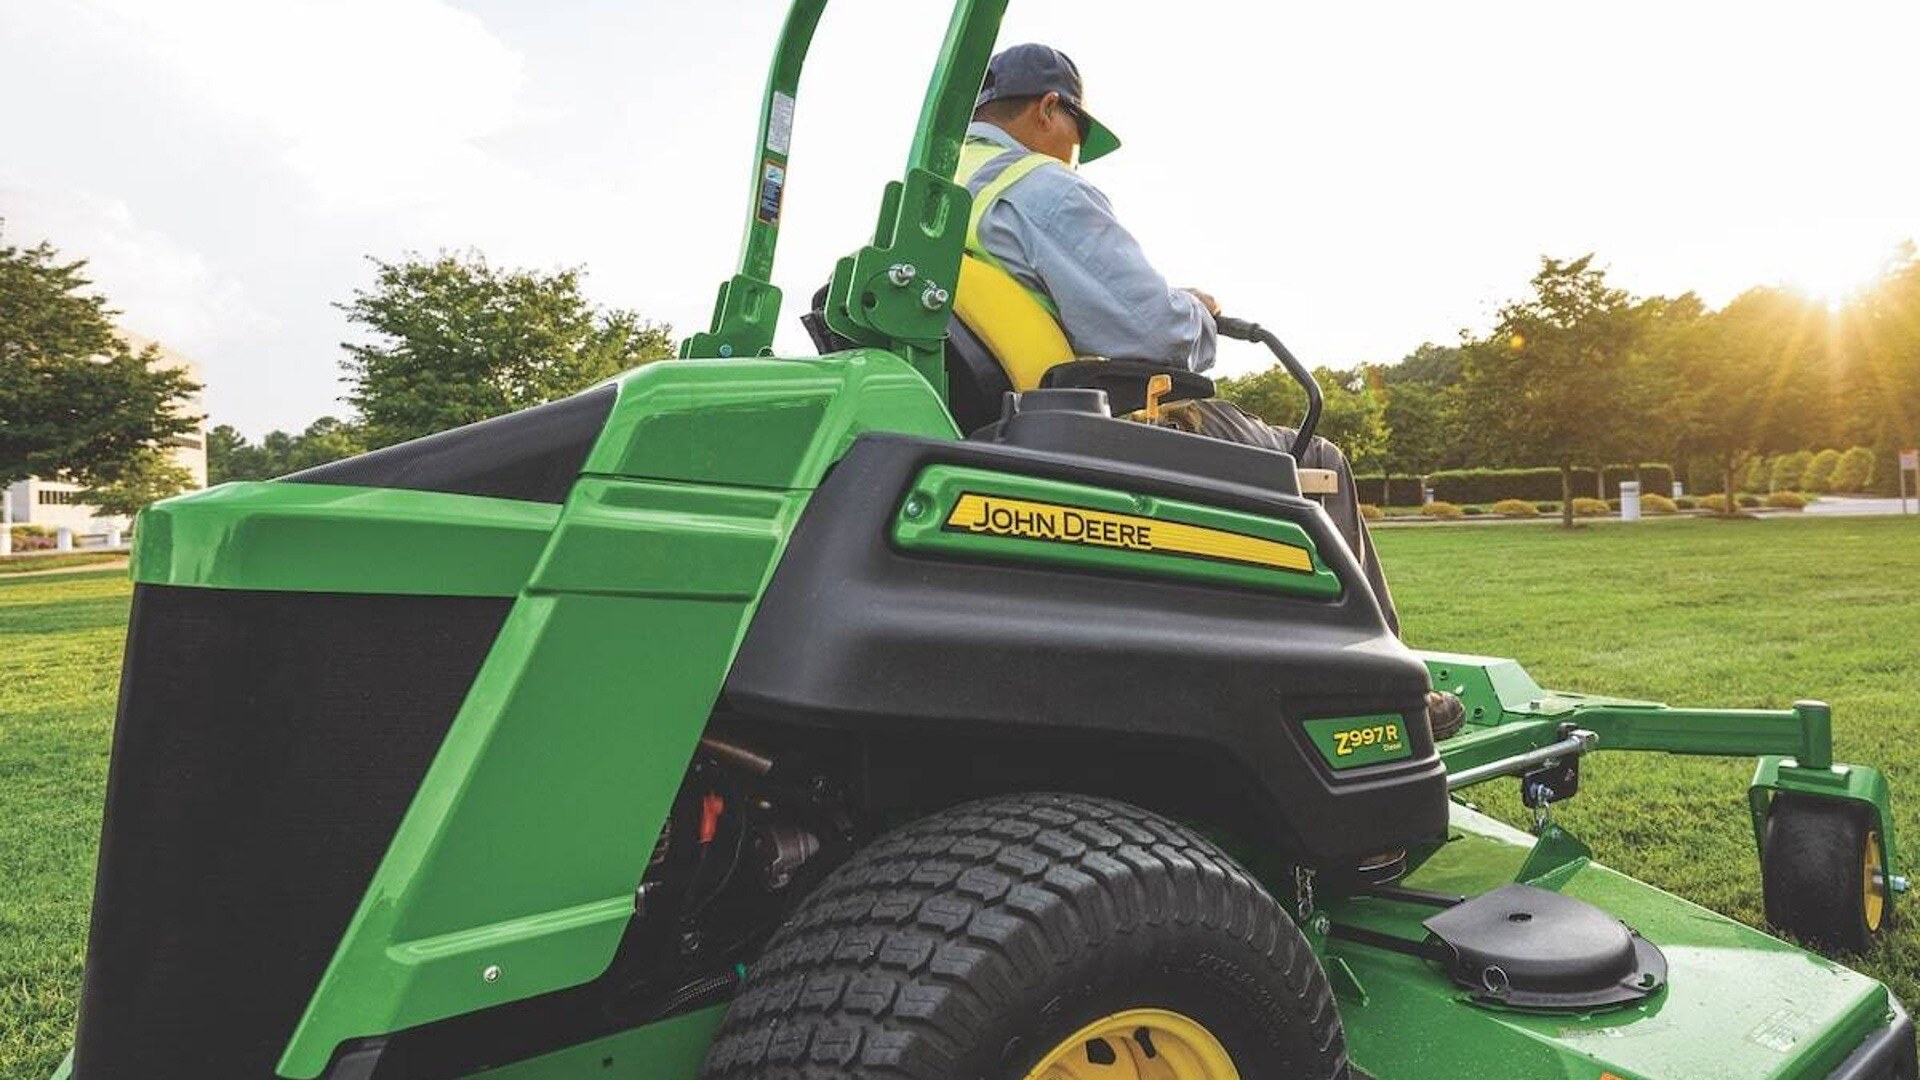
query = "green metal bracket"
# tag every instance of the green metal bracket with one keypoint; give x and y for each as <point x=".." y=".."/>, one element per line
<point x="1555" y="858"/>
<point x="895" y="293"/>
<point x="1852" y="783"/>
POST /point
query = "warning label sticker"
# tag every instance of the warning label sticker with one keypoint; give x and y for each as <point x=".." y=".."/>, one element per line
<point x="773" y="182"/>
<point x="780" y="123"/>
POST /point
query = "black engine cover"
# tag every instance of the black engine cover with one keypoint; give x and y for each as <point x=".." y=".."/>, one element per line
<point x="856" y="635"/>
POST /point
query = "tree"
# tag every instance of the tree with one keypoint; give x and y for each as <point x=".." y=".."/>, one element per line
<point x="151" y="476"/>
<point x="1744" y="376"/>
<point x="1555" y="381"/>
<point x="76" y="401"/>
<point x="231" y="457"/>
<point x="1351" y="418"/>
<point x="1417" y="417"/>
<point x="455" y="341"/>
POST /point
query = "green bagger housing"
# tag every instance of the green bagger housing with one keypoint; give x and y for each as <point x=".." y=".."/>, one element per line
<point x="746" y="717"/>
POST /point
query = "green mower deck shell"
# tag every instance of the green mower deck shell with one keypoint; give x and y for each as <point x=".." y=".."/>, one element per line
<point x="1738" y="1003"/>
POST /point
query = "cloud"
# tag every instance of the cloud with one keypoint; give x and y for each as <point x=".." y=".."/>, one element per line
<point x="373" y="102"/>
<point x="163" y="288"/>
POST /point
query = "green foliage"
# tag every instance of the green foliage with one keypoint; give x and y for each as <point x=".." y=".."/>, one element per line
<point x="1353" y="417"/>
<point x="1418" y="426"/>
<point x="76" y="401"/>
<point x="1516" y="508"/>
<point x="231" y="457"/>
<point x="1786" y="500"/>
<point x="1749" y="501"/>
<point x="1788" y="470"/>
<point x="1590" y="508"/>
<point x="1820" y="470"/>
<point x="1716" y="503"/>
<point x="1659" y="505"/>
<point x="1444" y="511"/>
<point x="1548" y="506"/>
<point x="1756" y="474"/>
<point x="1687" y="502"/>
<point x="1854" y="474"/>
<point x="151" y="476"/>
<point x="1549" y="384"/>
<point x="455" y="341"/>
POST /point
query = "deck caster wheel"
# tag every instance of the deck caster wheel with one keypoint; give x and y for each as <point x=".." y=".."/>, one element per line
<point x="1824" y="872"/>
<point x="1035" y="937"/>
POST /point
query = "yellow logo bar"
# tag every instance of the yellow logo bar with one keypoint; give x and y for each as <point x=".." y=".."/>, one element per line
<point x="992" y="515"/>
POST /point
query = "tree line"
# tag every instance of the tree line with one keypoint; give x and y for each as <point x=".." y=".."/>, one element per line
<point x="1577" y="372"/>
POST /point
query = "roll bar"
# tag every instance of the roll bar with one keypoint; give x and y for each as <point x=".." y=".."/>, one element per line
<point x="895" y="293"/>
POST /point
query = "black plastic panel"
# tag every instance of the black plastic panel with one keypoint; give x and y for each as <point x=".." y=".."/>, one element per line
<point x="534" y="455"/>
<point x="855" y="635"/>
<point x="266" y="747"/>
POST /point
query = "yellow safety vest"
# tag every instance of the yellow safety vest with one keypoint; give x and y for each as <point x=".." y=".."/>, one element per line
<point x="1018" y="324"/>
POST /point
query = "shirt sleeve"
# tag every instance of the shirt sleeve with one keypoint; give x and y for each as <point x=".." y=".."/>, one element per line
<point x="1112" y="302"/>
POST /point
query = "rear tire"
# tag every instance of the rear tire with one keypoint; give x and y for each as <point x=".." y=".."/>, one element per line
<point x="1817" y="869"/>
<point x="976" y="943"/>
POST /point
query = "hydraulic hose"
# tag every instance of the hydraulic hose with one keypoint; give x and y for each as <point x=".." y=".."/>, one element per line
<point x="1245" y="330"/>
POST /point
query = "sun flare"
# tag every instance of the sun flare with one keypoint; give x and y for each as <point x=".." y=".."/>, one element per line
<point x="1835" y="273"/>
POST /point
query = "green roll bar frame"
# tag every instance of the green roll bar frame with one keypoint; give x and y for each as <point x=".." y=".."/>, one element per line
<point x="895" y="293"/>
<point x="1510" y="716"/>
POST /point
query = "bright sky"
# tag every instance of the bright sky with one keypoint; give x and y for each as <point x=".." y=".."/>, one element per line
<point x="1363" y="177"/>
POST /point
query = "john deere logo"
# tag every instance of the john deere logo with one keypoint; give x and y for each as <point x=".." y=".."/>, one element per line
<point x="1044" y="521"/>
<point x="1025" y="519"/>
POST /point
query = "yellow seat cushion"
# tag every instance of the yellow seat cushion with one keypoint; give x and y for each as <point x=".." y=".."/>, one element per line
<point x="1021" y="334"/>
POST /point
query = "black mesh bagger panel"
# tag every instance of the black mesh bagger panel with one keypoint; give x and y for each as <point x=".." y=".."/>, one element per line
<point x="266" y="747"/>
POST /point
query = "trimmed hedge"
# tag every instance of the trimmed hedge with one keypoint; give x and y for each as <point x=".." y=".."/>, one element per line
<point x="1370" y="512"/>
<point x="1516" y="508"/>
<point x="1590" y="508"/>
<point x="1483" y="486"/>
<point x="1658" y="504"/>
<point x="1443" y="511"/>
<point x="1855" y="471"/>
<point x="1787" y="500"/>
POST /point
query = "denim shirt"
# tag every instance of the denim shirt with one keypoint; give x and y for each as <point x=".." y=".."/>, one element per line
<point x="1057" y="233"/>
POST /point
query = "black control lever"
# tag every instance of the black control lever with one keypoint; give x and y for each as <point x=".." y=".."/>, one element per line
<point x="1245" y="330"/>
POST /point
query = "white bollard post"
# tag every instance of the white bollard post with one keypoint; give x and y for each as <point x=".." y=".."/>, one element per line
<point x="1629" y="500"/>
<point x="63" y="540"/>
<point x="6" y="520"/>
<point x="1679" y="490"/>
<point x="113" y="536"/>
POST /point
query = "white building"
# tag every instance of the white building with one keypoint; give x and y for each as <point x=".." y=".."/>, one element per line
<point x="54" y="503"/>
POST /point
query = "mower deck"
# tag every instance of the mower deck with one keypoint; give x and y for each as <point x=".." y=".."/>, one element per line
<point x="1738" y="1002"/>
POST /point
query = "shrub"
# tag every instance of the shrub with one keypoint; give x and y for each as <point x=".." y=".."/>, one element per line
<point x="1516" y="508"/>
<point x="1715" y="503"/>
<point x="1787" y="470"/>
<point x="1819" y="474"/>
<point x="32" y="537"/>
<point x="1474" y="511"/>
<point x="1686" y="502"/>
<point x="1444" y="511"/>
<point x="1750" y="501"/>
<point x="1787" y="500"/>
<point x="1551" y="507"/>
<point x="1613" y="504"/>
<point x="1370" y="512"/>
<point x="1589" y="508"/>
<point x="1657" y="504"/>
<point x="1855" y="471"/>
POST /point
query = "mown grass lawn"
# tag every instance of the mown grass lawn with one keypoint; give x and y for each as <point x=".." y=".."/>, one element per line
<point x="1699" y="612"/>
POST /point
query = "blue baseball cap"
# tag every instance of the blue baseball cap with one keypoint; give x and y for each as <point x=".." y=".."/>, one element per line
<point x="1036" y="70"/>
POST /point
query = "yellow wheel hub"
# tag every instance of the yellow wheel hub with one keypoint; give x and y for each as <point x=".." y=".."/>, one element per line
<point x="1138" y="1044"/>
<point x="1875" y="869"/>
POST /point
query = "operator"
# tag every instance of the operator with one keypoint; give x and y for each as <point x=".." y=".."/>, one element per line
<point x="1057" y="235"/>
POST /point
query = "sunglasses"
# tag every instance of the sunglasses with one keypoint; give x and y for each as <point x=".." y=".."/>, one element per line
<point x="1080" y="118"/>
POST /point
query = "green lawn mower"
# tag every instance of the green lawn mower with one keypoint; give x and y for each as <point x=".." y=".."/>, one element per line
<point x="905" y="712"/>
